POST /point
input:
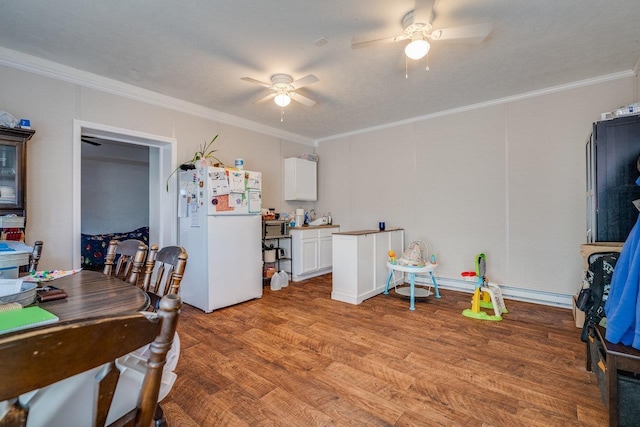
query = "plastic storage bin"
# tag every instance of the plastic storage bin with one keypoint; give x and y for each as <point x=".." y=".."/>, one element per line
<point x="589" y="249"/>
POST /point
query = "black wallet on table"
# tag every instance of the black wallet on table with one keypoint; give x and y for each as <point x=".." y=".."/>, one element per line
<point x="50" y="293"/>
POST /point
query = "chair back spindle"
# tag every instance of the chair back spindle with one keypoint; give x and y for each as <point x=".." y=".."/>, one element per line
<point x="34" y="259"/>
<point x="130" y="262"/>
<point x="164" y="270"/>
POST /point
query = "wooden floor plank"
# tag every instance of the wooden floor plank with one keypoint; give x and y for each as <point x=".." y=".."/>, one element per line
<point x="297" y="358"/>
<point x="293" y="411"/>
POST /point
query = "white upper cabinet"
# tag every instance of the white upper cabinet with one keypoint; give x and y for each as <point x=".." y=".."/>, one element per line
<point x="300" y="179"/>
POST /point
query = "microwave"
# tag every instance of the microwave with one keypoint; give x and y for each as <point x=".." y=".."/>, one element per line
<point x="276" y="228"/>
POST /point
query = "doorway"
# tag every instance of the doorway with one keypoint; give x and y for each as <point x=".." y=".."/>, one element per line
<point x="114" y="187"/>
<point x="162" y="204"/>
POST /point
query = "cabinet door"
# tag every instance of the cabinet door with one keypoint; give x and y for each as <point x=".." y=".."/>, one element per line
<point x="300" y="179"/>
<point x="325" y="246"/>
<point x="13" y="155"/>
<point x="309" y="255"/>
<point x="11" y="190"/>
<point x="617" y="152"/>
<point x="590" y="181"/>
<point x="366" y="264"/>
<point x="325" y="252"/>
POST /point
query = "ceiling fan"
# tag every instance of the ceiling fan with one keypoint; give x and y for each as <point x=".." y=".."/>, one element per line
<point x="91" y="140"/>
<point x="283" y="87"/>
<point x="419" y="30"/>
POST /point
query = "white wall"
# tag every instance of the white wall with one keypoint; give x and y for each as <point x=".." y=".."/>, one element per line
<point x="115" y="188"/>
<point x="52" y="105"/>
<point x="507" y="180"/>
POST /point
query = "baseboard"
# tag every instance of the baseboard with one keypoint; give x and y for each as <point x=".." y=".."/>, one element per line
<point x="355" y="299"/>
<point x="305" y="276"/>
<point x="508" y="292"/>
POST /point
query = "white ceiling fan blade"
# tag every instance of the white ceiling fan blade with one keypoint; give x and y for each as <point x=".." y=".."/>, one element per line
<point x="250" y="80"/>
<point x="266" y="98"/>
<point x="423" y="12"/>
<point x="368" y="43"/>
<point x="302" y="99"/>
<point x="91" y="140"/>
<point x="476" y="33"/>
<point x="304" y="81"/>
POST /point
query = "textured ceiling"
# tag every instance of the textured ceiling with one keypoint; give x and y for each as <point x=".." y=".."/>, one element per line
<point x="198" y="50"/>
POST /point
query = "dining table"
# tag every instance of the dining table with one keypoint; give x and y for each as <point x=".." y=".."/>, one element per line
<point x="93" y="294"/>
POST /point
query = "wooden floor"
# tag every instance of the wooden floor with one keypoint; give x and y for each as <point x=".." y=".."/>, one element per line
<point x="298" y="358"/>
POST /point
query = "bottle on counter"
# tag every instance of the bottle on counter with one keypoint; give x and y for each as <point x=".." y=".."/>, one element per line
<point x="329" y="220"/>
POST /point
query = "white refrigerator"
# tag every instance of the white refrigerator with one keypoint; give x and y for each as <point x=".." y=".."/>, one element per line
<point x="220" y="227"/>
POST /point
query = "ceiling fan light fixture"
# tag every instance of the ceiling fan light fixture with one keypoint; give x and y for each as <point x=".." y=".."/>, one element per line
<point x="417" y="49"/>
<point x="282" y="99"/>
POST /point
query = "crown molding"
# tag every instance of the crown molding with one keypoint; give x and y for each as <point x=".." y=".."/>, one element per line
<point x="499" y="101"/>
<point x="21" y="61"/>
<point x="31" y="64"/>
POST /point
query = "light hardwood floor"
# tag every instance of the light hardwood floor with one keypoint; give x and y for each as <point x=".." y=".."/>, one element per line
<point x="298" y="358"/>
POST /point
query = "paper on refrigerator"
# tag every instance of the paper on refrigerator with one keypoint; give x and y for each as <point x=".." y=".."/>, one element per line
<point x="236" y="181"/>
<point x="254" y="180"/>
<point x="218" y="182"/>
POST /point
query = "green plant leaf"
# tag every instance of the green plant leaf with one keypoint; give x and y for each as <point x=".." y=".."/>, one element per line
<point x="204" y="152"/>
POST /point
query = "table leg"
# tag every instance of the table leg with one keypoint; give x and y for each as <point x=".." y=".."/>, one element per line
<point x="435" y="284"/>
<point x="386" y="289"/>
<point x="412" y="277"/>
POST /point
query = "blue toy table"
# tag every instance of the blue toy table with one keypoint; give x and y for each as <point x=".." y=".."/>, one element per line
<point x="429" y="268"/>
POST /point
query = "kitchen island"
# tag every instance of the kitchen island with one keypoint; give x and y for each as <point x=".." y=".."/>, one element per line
<point x="360" y="262"/>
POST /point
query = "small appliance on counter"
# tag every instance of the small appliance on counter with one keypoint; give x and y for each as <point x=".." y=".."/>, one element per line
<point x="276" y="228"/>
<point x="299" y="217"/>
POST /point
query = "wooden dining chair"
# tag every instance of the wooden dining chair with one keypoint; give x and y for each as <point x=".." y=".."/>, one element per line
<point x="34" y="258"/>
<point x="131" y="255"/>
<point x="36" y="358"/>
<point x="163" y="273"/>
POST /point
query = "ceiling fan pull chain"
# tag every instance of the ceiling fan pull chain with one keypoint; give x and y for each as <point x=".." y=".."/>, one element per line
<point x="281" y="114"/>
<point x="427" y="69"/>
<point x="406" y="68"/>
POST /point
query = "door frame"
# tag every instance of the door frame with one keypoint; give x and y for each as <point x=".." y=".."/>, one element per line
<point x="162" y="203"/>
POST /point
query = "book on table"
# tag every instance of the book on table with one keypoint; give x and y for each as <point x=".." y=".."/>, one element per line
<point x="23" y="318"/>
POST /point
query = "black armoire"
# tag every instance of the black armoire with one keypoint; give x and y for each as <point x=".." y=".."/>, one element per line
<point x="613" y="152"/>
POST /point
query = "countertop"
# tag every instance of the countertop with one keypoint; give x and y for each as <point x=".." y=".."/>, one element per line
<point x="313" y="227"/>
<point x="363" y="232"/>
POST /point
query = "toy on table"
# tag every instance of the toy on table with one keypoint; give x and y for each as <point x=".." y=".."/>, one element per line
<point x="485" y="295"/>
<point x="415" y="255"/>
<point x="47" y="275"/>
<point x="392" y="257"/>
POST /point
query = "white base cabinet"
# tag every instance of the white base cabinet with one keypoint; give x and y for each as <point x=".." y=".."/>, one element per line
<point x="360" y="263"/>
<point x="312" y="251"/>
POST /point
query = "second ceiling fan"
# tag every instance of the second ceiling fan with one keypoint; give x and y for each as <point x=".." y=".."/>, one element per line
<point x="418" y="28"/>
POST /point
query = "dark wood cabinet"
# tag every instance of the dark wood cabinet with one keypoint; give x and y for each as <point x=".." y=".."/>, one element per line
<point x="612" y="170"/>
<point x="13" y="174"/>
<point x="617" y="371"/>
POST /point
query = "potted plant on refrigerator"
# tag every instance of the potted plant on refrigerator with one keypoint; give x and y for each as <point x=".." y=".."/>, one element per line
<point x="204" y="156"/>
